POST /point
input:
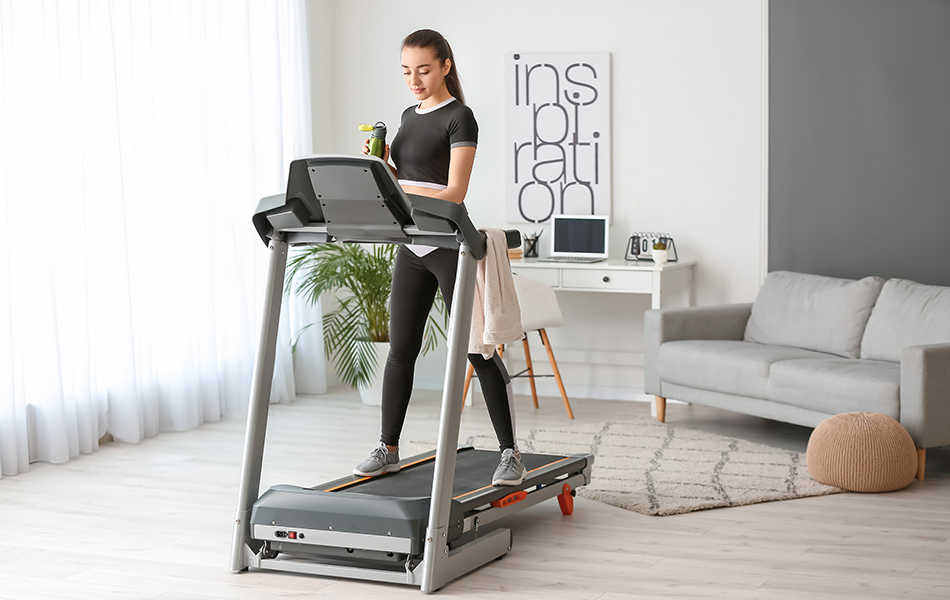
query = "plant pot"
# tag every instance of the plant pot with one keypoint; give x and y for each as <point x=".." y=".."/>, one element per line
<point x="660" y="257"/>
<point x="372" y="394"/>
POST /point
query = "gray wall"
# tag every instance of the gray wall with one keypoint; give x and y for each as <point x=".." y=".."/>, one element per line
<point x="859" y="138"/>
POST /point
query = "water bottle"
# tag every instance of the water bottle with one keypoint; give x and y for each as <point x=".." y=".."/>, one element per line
<point x="377" y="141"/>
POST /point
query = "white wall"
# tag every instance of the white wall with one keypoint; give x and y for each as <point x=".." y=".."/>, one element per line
<point x="322" y="49"/>
<point x="688" y="130"/>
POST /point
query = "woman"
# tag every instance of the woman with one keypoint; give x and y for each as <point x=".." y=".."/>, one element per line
<point x="433" y="153"/>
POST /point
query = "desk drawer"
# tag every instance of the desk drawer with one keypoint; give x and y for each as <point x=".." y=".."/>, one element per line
<point x="545" y="276"/>
<point x="608" y="281"/>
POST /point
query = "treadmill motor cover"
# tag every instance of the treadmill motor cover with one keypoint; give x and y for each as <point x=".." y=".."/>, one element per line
<point x="295" y="507"/>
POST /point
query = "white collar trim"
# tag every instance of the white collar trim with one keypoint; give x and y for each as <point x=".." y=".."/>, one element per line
<point x="422" y="111"/>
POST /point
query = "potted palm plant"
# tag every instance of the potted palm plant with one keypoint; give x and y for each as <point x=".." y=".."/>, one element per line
<point x="356" y="332"/>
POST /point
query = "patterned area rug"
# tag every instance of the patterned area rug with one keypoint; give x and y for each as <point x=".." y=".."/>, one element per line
<point x="658" y="469"/>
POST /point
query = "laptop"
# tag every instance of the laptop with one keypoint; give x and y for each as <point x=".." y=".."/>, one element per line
<point x="578" y="238"/>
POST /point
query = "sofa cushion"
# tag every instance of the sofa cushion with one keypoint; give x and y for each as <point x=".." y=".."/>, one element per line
<point x="824" y="314"/>
<point x="837" y="385"/>
<point x="906" y="314"/>
<point x="726" y="366"/>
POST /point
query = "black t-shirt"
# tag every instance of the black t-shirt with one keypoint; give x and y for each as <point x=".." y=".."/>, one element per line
<point x="423" y="145"/>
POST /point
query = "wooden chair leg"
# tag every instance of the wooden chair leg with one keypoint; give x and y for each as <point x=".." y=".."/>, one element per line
<point x="557" y="373"/>
<point x="660" y="409"/>
<point x="527" y="358"/>
<point x="468" y="381"/>
<point x="921" y="462"/>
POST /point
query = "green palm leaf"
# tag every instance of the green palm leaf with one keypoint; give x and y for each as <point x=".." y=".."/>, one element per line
<point x="361" y="278"/>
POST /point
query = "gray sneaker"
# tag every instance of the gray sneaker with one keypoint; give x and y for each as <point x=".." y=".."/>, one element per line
<point x="511" y="471"/>
<point x="380" y="461"/>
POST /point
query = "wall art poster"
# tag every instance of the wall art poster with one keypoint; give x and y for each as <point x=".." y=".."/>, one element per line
<point x="557" y="140"/>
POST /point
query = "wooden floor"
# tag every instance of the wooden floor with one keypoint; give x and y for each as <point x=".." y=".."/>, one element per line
<point x="153" y="520"/>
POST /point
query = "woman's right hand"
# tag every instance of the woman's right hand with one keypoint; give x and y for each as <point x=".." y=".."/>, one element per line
<point x="385" y="150"/>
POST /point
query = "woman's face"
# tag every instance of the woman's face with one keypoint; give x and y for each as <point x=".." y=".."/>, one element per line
<point x="423" y="73"/>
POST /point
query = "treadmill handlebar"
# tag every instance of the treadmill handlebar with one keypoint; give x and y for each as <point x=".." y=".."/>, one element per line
<point x="456" y="214"/>
<point x="357" y="199"/>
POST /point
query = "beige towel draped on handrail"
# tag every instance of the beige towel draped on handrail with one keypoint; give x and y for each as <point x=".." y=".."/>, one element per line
<point x="496" y="314"/>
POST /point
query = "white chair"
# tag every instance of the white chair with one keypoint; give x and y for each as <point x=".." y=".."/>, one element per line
<point x="539" y="311"/>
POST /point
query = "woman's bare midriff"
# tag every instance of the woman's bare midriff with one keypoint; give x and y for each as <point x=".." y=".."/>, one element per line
<point x="420" y="191"/>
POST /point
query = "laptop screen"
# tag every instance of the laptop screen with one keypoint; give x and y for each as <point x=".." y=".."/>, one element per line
<point x="579" y="236"/>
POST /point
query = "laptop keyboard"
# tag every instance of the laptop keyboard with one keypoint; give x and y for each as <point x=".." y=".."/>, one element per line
<point x="573" y="259"/>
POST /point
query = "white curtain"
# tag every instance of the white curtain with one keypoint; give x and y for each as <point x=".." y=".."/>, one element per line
<point x="136" y="137"/>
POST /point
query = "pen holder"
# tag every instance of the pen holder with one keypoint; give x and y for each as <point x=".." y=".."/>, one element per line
<point x="531" y="246"/>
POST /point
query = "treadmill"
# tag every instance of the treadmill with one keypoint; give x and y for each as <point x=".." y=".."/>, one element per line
<point x="434" y="520"/>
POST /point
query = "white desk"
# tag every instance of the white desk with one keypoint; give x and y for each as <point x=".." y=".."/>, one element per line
<point x="616" y="276"/>
<point x="613" y="276"/>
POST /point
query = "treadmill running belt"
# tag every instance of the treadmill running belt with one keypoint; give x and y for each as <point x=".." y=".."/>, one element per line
<point x="473" y="471"/>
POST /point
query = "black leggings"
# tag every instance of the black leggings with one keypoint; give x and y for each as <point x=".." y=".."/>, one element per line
<point x="415" y="280"/>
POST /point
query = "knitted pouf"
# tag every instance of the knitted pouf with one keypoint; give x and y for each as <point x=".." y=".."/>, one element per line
<point x="862" y="452"/>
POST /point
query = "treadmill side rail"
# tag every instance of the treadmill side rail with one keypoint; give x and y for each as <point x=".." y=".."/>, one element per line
<point x="490" y="515"/>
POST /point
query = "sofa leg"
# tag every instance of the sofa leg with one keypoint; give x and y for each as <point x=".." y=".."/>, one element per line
<point x="921" y="462"/>
<point x="660" y="409"/>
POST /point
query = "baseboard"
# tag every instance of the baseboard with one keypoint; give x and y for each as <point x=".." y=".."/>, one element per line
<point x="567" y="356"/>
<point x="586" y="374"/>
<point x="521" y="387"/>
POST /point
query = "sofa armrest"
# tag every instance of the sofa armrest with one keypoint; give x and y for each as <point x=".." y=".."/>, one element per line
<point x="925" y="394"/>
<point x="725" y="322"/>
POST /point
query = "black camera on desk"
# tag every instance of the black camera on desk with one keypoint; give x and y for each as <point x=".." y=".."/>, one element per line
<point x="640" y="246"/>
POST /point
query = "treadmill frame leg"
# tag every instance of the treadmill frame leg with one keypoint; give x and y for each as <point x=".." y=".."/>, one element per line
<point x="258" y="405"/>
<point x="453" y="564"/>
<point x="439" y="565"/>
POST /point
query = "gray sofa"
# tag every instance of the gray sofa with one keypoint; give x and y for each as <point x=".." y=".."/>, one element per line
<point x="811" y="347"/>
